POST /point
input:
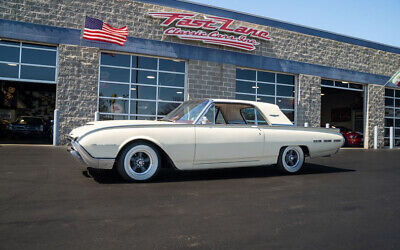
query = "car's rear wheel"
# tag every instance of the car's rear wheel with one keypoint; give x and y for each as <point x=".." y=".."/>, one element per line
<point x="291" y="159"/>
<point x="138" y="162"/>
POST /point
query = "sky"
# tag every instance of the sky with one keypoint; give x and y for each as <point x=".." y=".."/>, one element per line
<point x="373" y="20"/>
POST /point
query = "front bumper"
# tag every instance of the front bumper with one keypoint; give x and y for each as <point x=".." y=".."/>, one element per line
<point x="79" y="153"/>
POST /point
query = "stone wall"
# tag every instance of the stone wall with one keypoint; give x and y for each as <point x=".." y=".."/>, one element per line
<point x="375" y="115"/>
<point x="210" y="80"/>
<point x="309" y="100"/>
<point x="285" y="44"/>
<point x="77" y="85"/>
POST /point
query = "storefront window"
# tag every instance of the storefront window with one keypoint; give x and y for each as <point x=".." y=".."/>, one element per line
<point x="138" y="87"/>
<point x="28" y="62"/>
<point x="267" y="87"/>
<point x="392" y="115"/>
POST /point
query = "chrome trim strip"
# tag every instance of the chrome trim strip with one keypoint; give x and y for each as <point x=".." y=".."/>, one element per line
<point x="83" y="156"/>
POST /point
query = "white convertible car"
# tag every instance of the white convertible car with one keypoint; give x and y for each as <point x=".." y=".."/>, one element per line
<point x="202" y="134"/>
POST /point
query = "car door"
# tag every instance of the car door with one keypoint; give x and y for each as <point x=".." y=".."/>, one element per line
<point x="227" y="145"/>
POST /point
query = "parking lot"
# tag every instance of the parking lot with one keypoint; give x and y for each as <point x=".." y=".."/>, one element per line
<point x="348" y="201"/>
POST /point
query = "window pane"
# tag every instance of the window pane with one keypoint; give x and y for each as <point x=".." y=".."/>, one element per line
<point x="143" y="107"/>
<point x="40" y="46"/>
<point x="43" y="57"/>
<point x="355" y="86"/>
<point x="289" y="114"/>
<point x="146" y="62"/>
<point x="340" y="84"/>
<point x="397" y="113"/>
<point x="115" y="59"/>
<point x="9" y="54"/>
<point x="326" y="82"/>
<point x="113" y="117"/>
<point x="397" y="103"/>
<point x="245" y="74"/>
<point x="38" y="73"/>
<point x="113" y="106"/>
<point x="9" y="70"/>
<point x="266" y="89"/>
<point x="389" y="112"/>
<point x="265" y="76"/>
<point x="144" y="77"/>
<point x="387" y="132"/>
<point x="389" y="122"/>
<point x="114" y="74"/>
<point x="246" y="87"/>
<point x="389" y="102"/>
<point x="170" y="65"/>
<point x="114" y="90"/>
<point x="397" y="132"/>
<point x="389" y="92"/>
<point x="170" y="94"/>
<point x="287" y="79"/>
<point x="246" y="97"/>
<point x="285" y="103"/>
<point x="166" y="107"/>
<point x="209" y="115"/>
<point x="143" y="92"/>
<point x="397" y="93"/>
<point x="248" y="115"/>
<point x="268" y="99"/>
<point x="9" y="42"/>
<point x="167" y="79"/>
<point x="284" y="90"/>
<point x="396" y="123"/>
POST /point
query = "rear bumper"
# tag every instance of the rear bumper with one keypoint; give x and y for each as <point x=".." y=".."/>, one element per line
<point x="79" y="153"/>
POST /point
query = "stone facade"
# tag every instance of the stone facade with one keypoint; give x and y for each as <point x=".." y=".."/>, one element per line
<point x="286" y="45"/>
<point x="309" y="100"/>
<point x="76" y="87"/>
<point x="374" y="115"/>
<point x="210" y="80"/>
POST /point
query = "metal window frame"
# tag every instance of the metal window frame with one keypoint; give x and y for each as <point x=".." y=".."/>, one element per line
<point x="275" y="83"/>
<point x="22" y="45"/>
<point x="157" y="101"/>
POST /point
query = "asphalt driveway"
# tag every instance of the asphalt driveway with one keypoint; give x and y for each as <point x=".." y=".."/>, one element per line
<point x="348" y="201"/>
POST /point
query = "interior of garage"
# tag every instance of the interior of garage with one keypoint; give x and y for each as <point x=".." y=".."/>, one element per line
<point x="26" y="112"/>
<point x="343" y="108"/>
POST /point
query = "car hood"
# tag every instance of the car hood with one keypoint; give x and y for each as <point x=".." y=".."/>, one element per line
<point x="90" y="126"/>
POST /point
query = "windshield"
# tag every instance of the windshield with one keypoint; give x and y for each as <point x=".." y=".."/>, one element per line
<point x="187" y="112"/>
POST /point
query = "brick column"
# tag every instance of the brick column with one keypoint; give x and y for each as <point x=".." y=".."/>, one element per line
<point x="309" y="100"/>
<point x="375" y="114"/>
<point x="77" y="83"/>
<point x="210" y="80"/>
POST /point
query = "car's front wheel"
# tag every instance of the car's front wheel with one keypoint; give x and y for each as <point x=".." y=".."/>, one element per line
<point x="138" y="162"/>
<point x="291" y="159"/>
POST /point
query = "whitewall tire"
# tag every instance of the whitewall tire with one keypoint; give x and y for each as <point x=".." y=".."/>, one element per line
<point x="138" y="162"/>
<point x="291" y="159"/>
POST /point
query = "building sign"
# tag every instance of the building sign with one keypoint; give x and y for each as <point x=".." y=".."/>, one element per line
<point x="208" y="30"/>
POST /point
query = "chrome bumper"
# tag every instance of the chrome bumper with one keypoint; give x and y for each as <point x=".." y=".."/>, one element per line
<point x="79" y="153"/>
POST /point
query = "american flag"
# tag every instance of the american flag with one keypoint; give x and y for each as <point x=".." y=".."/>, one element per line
<point x="98" y="30"/>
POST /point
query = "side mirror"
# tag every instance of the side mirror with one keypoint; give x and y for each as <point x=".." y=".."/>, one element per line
<point x="204" y="120"/>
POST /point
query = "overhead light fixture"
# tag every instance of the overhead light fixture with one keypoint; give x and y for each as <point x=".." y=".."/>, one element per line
<point x="322" y="94"/>
<point x="150" y="77"/>
<point x="258" y="98"/>
<point x="255" y="87"/>
<point x="12" y="64"/>
<point x="133" y="88"/>
<point x="176" y="60"/>
<point x="345" y="82"/>
<point x="179" y="92"/>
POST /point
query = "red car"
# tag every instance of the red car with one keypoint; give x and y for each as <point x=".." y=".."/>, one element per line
<point x="352" y="139"/>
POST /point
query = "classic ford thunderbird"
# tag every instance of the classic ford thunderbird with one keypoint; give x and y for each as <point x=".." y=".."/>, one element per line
<point x="202" y="134"/>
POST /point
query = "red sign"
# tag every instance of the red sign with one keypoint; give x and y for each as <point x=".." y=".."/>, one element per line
<point x="208" y="30"/>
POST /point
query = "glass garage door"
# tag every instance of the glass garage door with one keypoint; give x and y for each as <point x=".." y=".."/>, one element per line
<point x="138" y="87"/>
<point x="392" y="115"/>
<point x="275" y="88"/>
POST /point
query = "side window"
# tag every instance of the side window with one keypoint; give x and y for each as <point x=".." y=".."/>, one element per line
<point x="219" y="118"/>
<point x="249" y="115"/>
<point x="208" y="117"/>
